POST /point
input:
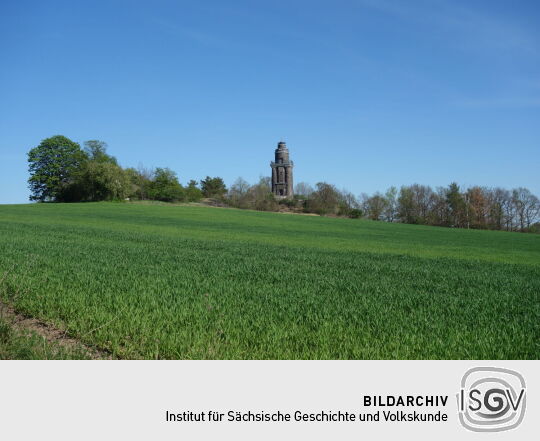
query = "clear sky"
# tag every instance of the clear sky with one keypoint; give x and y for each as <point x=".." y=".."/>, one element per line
<point x="367" y="93"/>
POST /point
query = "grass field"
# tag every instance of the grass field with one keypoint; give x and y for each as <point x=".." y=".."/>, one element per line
<point x="151" y="281"/>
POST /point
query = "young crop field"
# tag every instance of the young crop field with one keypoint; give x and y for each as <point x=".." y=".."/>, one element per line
<point x="193" y="282"/>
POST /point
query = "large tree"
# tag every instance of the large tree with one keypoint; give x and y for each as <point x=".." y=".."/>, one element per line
<point x="213" y="187"/>
<point x="390" y="211"/>
<point x="375" y="206"/>
<point x="478" y="209"/>
<point x="457" y="206"/>
<point x="526" y="207"/>
<point x="324" y="200"/>
<point x="52" y="165"/>
<point x="406" y="208"/>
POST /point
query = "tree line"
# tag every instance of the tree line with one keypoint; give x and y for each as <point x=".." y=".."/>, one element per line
<point x="62" y="171"/>
<point x="475" y="207"/>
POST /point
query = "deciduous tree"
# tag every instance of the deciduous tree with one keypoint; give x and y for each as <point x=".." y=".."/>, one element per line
<point x="324" y="200"/>
<point x="97" y="151"/>
<point x="98" y="181"/>
<point x="193" y="192"/>
<point x="52" y="165"/>
<point x="165" y="186"/>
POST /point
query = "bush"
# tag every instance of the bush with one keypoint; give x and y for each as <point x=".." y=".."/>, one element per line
<point x="288" y="202"/>
<point x="165" y="186"/>
<point x="355" y="213"/>
<point x="97" y="181"/>
<point x="193" y="192"/>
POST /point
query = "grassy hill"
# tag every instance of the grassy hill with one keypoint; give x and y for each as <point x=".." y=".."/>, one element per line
<point x="150" y="281"/>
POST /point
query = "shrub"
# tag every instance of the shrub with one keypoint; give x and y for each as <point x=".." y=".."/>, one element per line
<point x="355" y="213"/>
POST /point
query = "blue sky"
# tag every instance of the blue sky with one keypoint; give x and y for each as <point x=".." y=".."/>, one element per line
<point x="367" y="93"/>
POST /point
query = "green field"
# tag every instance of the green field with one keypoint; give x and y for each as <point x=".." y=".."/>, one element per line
<point x="190" y="282"/>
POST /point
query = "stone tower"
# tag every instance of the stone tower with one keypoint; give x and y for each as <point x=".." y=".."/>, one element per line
<point x="282" y="173"/>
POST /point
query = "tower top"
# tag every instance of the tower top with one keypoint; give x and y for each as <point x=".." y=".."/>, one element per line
<point x="282" y="172"/>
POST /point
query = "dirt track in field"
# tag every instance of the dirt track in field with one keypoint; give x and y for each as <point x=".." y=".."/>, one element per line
<point x="23" y="324"/>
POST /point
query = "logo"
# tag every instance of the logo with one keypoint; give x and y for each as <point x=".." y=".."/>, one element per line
<point x="491" y="399"/>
